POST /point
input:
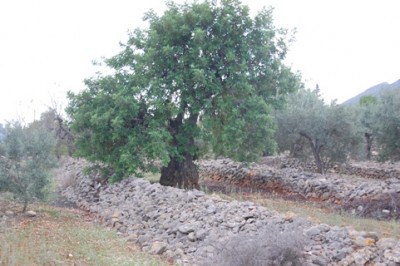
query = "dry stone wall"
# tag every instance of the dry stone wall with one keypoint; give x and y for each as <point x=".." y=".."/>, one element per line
<point x="366" y="169"/>
<point x="341" y="190"/>
<point x="191" y="227"/>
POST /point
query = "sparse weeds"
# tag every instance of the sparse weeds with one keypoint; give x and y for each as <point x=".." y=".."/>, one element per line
<point x="57" y="237"/>
<point x="152" y="177"/>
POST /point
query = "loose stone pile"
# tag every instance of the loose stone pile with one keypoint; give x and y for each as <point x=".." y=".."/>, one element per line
<point x="191" y="227"/>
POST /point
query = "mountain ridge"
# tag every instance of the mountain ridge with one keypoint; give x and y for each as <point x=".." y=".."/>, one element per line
<point x="375" y="90"/>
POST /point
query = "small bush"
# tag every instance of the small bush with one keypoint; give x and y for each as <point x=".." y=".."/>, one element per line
<point x="272" y="247"/>
<point x="25" y="160"/>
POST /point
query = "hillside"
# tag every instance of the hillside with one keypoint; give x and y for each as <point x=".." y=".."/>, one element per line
<point x="375" y="91"/>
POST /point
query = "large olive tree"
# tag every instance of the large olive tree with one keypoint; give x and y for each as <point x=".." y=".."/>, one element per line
<point x="201" y="71"/>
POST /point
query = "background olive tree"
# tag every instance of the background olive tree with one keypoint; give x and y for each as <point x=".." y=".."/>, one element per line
<point x="309" y="127"/>
<point x="54" y="122"/>
<point x="25" y="159"/>
<point x="198" y="72"/>
<point x="367" y="113"/>
<point x="387" y="120"/>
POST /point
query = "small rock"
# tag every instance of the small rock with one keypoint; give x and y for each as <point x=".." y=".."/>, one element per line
<point x="186" y="229"/>
<point x="211" y="210"/>
<point x="289" y="216"/>
<point x="114" y="221"/>
<point x="325" y="196"/>
<point x="393" y="255"/>
<point x="132" y="238"/>
<point x="31" y="214"/>
<point x="312" y="232"/>
<point x="158" y="248"/>
<point x="372" y="235"/>
<point x="192" y="236"/>
<point x="340" y="255"/>
<point x="319" y="261"/>
<point x="386" y="243"/>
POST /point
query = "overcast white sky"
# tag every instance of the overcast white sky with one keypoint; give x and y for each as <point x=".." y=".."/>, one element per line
<point x="47" y="46"/>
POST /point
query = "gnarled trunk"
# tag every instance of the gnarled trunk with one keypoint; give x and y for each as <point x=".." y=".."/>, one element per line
<point x="316" y="148"/>
<point x="368" y="145"/>
<point x="180" y="173"/>
<point x="318" y="160"/>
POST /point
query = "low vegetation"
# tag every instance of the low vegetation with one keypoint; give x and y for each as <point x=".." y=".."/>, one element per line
<point x="65" y="237"/>
<point x="26" y="157"/>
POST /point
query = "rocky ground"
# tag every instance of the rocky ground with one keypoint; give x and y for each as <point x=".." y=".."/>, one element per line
<point x="198" y="229"/>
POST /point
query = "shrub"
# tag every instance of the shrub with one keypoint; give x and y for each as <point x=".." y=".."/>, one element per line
<point x="25" y="159"/>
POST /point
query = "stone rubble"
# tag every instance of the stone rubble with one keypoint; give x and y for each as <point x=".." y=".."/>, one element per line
<point x="189" y="226"/>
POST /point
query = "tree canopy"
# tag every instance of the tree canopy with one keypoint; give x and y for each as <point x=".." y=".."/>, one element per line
<point x="387" y="125"/>
<point x="198" y="72"/>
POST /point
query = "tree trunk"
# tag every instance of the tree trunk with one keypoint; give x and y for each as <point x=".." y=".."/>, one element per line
<point x="180" y="173"/>
<point x="318" y="162"/>
<point x="368" y="146"/>
<point x="296" y="148"/>
<point x="316" y="149"/>
<point x="25" y="205"/>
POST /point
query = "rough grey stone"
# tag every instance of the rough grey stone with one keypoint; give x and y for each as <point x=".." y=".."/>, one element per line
<point x="31" y="214"/>
<point x="158" y="248"/>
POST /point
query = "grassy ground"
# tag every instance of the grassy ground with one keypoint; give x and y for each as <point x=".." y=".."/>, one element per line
<point x="319" y="214"/>
<point x="65" y="237"/>
<point x="152" y="177"/>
